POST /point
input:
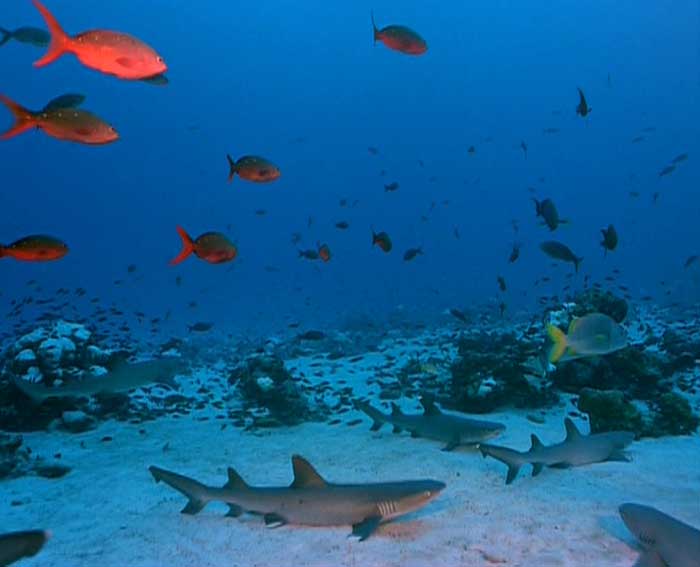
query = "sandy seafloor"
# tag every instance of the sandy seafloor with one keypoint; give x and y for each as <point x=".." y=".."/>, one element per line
<point x="109" y="511"/>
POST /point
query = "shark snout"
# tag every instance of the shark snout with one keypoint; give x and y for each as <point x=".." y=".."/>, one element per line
<point x="433" y="488"/>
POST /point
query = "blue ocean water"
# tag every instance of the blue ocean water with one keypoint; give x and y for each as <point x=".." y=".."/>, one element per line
<point x="303" y="85"/>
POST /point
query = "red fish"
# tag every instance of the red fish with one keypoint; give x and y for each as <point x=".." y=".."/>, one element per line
<point x="382" y="240"/>
<point x="212" y="247"/>
<point x="35" y="248"/>
<point x="324" y="252"/>
<point x="400" y="38"/>
<point x="253" y="168"/>
<point x="69" y="124"/>
<point x="110" y="52"/>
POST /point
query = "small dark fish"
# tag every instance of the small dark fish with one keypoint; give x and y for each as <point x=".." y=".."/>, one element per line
<point x="131" y="268"/>
<point x="28" y="35"/>
<point x="372" y="150"/>
<point x="260" y="212"/>
<point x="342" y="225"/>
<point x="343" y="202"/>
<point x="523" y="146"/>
<point x="458" y="314"/>
<point x="634" y="194"/>
<point x="400" y="38"/>
<point x="548" y="211"/>
<point x="649" y="129"/>
<point x="382" y="240"/>
<point x="501" y="283"/>
<point x="455" y="231"/>
<point x="667" y="170"/>
<point x="502" y="308"/>
<point x="559" y="251"/>
<point x="296" y="237"/>
<point x="679" y="158"/>
<point x="200" y="327"/>
<point x="637" y="139"/>
<point x="421" y="163"/>
<point x="551" y="131"/>
<point x="690" y="261"/>
<point x="411" y="253"/>
<point x="308" y="254"/>
<point x="514" y="253"/>
<point x="582" y="109"/>
<point x="391" y="187"/>
<point x="609" y="238"/>
<point x="312" y="336"/>
<point x="655" y="198"/>
<point x="471" y="150"/>
<point x="178" y="281"/>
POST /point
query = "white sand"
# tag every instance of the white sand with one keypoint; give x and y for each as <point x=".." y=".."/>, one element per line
<point x="109" y="511"/>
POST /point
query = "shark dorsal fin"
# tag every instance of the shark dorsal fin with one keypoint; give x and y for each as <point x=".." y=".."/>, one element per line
<point x="429" y="407"/>
<point x="235" y="480"/>
<point x="395" y="410"/>
<point x="305" y="475"/>
<point x="535" y="442"/>
<point x="572" y="431"/>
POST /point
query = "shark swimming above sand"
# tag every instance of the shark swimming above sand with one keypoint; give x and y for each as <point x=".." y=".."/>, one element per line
<point x="123" y="378"/>
<point x="574" y="451"/>
<point x="667" y="542"/>
<point x="433" y="423"/>
<point x="310" y="500"/>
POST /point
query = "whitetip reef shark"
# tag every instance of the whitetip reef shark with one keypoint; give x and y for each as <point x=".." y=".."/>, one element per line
<point x="123" y="378"/>
<point x="18" y="545"/>
<point x="433" y="423"/>
<point x="310" y="500"/>
<point x="574" y="451"/>
<point x="667" y="542"/>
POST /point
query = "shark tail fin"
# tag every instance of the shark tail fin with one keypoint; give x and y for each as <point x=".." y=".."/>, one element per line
<point x="396" y="410"/>
<point x="196" y="492"/>
<point x="374" y="414"/>
<point x="558" y="338"/>
<point x="6" y="36"/>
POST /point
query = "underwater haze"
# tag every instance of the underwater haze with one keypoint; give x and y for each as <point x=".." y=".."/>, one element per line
<point x="425" y="199"/>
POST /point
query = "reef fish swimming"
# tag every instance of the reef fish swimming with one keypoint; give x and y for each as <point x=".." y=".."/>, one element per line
<point x="212" y="247"/>
<point x="594" y="334"/>
<point x="400" y="38"/>
<point x="110" y="52"/>
<point x="67" y="124"/>
<point x="36" y="248"/>
<point x="310" y="500"/>
<point x="253" y="168"/>
<point x="560" y="251"/>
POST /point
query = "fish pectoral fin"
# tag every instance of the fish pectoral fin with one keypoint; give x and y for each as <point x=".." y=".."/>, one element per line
<point x="234" y="511"/>
<point x="536" y="468"/>
<point x="451" y="445"/>
<point x="274" y="520"/>
<point x="366" y="527"/>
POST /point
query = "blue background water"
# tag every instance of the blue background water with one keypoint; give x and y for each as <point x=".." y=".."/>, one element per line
<point x="302" y="84"/>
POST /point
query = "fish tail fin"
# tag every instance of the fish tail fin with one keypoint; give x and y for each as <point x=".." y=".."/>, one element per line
<point x="538" y="207"/>
<point x="60" y="41"/>
<point x="374" y="27"/>
<point x="513" y="465"/>
<point x="24" y="119"/>
<point x="231" y="168"/>
<point x="6" y="36"/>
<point x="187" y="247"/>
<point x="577" y="262"/>
<point x="195" y="492"/>
<point x="559" y="345"/>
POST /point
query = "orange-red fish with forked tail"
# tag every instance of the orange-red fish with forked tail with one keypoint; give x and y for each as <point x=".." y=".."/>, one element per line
<point x="68" y="124"/>
<point x="35" y="248"/>
<point x="252" y="168"/>
<point x="400" y="38"/>
<point x="110" y="52"/>
<point x="324" y="252"/>
<point x="212" y="247"/>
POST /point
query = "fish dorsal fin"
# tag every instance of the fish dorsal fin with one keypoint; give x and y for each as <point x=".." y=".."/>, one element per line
<point x="395" y="410"/>
<point x="572" y="431"/>
<point x="429" y="407"/>
<point x="235" y="480"/>
<point x="535" y="442"/>
<point x="305" y="475"/>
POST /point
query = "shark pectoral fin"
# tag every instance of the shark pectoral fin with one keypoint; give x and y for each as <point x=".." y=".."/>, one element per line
<point x="397" y="429"/>
<point x="274" y="520"/>
<point x="560" y="466"/>
<point x="234" y="511"/>
<point x="376" y="426"/>
<point x="451" y="445"/>
<point x="194" y="506"/>
<point x="619" y="456"/>
<point x="512" y="473"/>
<point x="366" y="527"/>
<point x="536" y="468"/>
<point x="650" y="559"/>
<point x="415" y="434"/>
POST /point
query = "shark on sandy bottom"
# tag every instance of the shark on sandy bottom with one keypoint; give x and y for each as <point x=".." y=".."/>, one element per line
<point x="574" y="451"/>
<point x="18" y="545"/>
<point x="310" y="500"/>
<point x="667" y="542"/>
<point x="123" y="378"/>
<point x="433" y="423"/>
